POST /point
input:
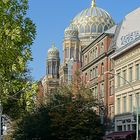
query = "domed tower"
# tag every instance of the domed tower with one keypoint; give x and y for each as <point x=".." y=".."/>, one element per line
<point x="53" y="62"/>
<point x="83" y="29"/>
<point x="70" y="44"/>
<point x="90" y="23"/>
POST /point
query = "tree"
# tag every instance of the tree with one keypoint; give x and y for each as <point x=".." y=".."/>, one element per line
<point x="34" y="125"/>
<point x="73" y="114"/>
<point x="17" y="33"/>
<point x="69" y="115"/>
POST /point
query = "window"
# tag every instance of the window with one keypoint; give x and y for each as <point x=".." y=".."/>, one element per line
<point x="102" y="48"/>
<point x="119" y="105"/>
<point x="102" y="90"/>
<point x="124" y="104"/>
<point x="105" y="27"/>
<point x="85" y="77"/>
<point x="66" y="52"/>
<point x="130" y="103"/>
<point x="102" y="68"/>
<point x="138" y="98"/>
<point x="118" y="79"/>
<point x="111" y="85"/>
<point x="91" y="74"/>
<point x="87" y="29"/>
<point x="100" y="28"/>
<point x="82" y="29"/>
<point x="128" y="126"/>
<point x="111" y="111"/>
<point x="130" y="74"/>
<point x="95" y="93"/>
<point x="86" y="59"/>
<point x="93" y="28"/>
<point x="96" y="71"/>
<point x="119" y="128"/>
<point x="93" y="54"/>
<point x="124" y="127"/>
<point x="96" y="52"/>
<point x="137" y="72"/>
<point x="72" y="52"/>
<point x="124" y="76"/>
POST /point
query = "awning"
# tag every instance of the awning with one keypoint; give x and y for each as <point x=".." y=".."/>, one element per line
<point x="120" y="134"/>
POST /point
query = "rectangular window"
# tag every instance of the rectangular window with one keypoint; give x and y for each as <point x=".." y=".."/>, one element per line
<point x="67" y="52"/>
<point x="137" y="72"/>
<point x="118" y="79"/>
<point x="94" y="75"/>
<point x="102" y="90"/>
<point x="124" y="76"/>
<point x="96" y="92"/>
<point x="86" y="78"/>
<point x="72" y="52"/>
<point x="85" y="59"/>
<point x="102" y="68"/>
<point x="124" y="104"/>
<point x="130" y="103"/>
<point x="119" y="105"/>
<point x="96" y="71"/>
<point x="130" y="74"/>
<point x="91" y="74"/>
<point x="111" y="87"/>
<point x="138" y="100"/>
<point x="111" y="111"/>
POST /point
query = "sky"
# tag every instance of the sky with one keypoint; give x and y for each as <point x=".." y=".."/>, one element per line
<point x="53" y="16"/>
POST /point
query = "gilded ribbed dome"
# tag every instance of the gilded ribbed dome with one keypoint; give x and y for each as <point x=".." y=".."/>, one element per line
<point x="71" y="32"/>
<point x="92" y="20"/>
<point x="53" y="52"/>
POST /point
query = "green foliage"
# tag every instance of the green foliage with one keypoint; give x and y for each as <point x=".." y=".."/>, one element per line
<point x="17" y="33"/>
<point x="34" y="125"/>
<point x="73" y="114"/>
<point x="67" y="115"/>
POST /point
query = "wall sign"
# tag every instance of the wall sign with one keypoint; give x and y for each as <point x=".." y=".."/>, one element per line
<point x="129" y="38"/>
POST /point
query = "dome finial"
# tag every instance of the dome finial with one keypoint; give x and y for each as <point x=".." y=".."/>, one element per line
<point x="53" y="45"/>
<point x="93" y="4"/>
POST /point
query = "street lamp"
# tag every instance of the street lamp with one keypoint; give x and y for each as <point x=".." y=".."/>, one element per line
<point x="137" y="109"/>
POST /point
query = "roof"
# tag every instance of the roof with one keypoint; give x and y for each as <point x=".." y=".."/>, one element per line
<point x="120" y="134"/>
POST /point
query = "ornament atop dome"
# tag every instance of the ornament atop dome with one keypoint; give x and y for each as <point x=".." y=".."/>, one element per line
<point x="93" y="3"/>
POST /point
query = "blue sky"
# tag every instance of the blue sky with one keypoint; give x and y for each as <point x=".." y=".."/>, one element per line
<point x="53" y="16"/>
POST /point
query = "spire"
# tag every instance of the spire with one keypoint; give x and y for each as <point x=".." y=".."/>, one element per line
<point x="53" y="45"/>
<point x="93" y="4"/>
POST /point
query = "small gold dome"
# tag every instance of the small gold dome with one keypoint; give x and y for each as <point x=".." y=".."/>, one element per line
<point x="53" y="52"/>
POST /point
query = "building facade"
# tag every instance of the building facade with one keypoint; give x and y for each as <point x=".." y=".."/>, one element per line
<point x="127" y="70"/>
<point x="95" y="66"/>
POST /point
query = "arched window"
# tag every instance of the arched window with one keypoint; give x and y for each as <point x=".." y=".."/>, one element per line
<point x="105" y="27"/>
<point x="100" y="28"/>
<point x="102" y="68"/>
<point x="87" y="29"/>
<point x="102" y="48"/>
<point x="93" y="28"/>
<point x="96" y="52"/>
<point x="82" y="30"/>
